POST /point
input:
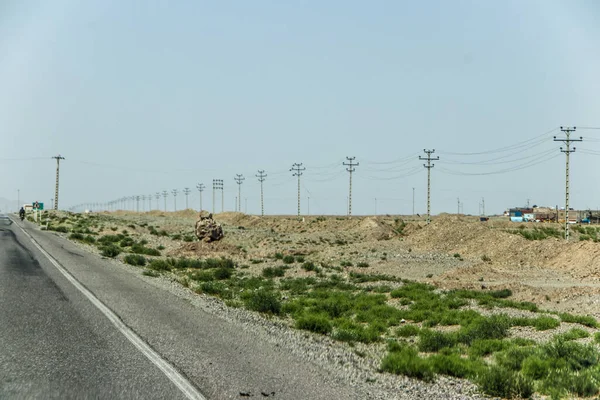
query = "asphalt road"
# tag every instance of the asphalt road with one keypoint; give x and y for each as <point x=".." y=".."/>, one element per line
<point x="56" y="343"/>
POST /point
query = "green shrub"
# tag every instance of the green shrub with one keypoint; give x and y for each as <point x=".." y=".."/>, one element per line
<point x="141" y="249"/>
<point x="501" y="382"/>
<point x="135" y="259"/>
<point x="160" y="247"/>
<point x="455" y="365"/>
<point x="406" y="361"/>
<point x="278" y="256"/>
<point x="289" y="259"/>
<point x="309" y="266"/>
<point x="494" y="327"/>
<point x="513" y="357"/>
<point x="202" y="276"/>
<point x="223" y="273"/>
<point x="176" y="236"/>
<point x="264" y="301"/>
<point x="159" y="265"/>
<point x="149" y="272"/>
<point x="535" y="368"/>
<point x="579" y="319"/>
<point x="318" y="323"/>
<point x="345" y="263"/>
<point x="350" y="331"/>
<point x="597" y="337"/>
<point x="272" y="272"/>
<point x="434" y="341"/>
<point x="126" y="242"/>
<point x="188" y="238"/>
<point x="110" y="251"/>
<point x="299" y="259"/>
<point x="215" y="289"/>
<point x="544" y="323"/>
<point x="573" y="334"/>
<point x="408" y="331"/>
<point x="89" y="239"/>
<point x="484" y="347"/>
<point x="362" y="265"/>
<point x="76" y="236"/>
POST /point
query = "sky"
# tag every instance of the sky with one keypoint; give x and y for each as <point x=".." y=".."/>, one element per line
<point x="143" y="97"/>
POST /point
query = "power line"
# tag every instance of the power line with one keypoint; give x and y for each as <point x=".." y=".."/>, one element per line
<point x="502" y="149"/>
<point x="429" y="159"/>
<point x="351" y="168"/>
<point x="567" y="141"/>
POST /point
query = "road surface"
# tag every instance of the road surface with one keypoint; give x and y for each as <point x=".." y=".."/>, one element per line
<point x="73" y="325"/>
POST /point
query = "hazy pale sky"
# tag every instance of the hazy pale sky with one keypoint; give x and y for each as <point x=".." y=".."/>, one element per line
<point x="146" y="96"/>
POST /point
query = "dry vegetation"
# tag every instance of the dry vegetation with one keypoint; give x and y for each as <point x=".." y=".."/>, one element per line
<point x="512" y="307"/>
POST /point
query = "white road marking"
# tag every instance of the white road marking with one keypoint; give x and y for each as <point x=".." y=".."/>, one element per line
<point x="179" y="380"/>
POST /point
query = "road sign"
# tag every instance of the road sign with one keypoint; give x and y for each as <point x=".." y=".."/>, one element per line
<point x="38" y="206"/>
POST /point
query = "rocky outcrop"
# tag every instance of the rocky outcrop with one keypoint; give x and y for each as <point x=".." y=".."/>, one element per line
<point x="207" y="229"/>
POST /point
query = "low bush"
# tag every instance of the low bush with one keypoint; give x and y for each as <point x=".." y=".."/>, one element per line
<point x="406" y="361"/>
<point x="573" y="334"/>
<point x="309" y="266"/>
<point x="289" y="259"/>
<point x="149" y="272"/>
<point x="264" y="301"/>
<point x="579" y="319"/>
<point x="159" y="265"/>
<point x="110" y="251"/>
<point x="222" y="273"/>
<point x="76" y="236"/>
<point x="434" y="341"/>
<point x="272" y="272"/>
<point x="501" y="382"/>
<point x="362" y="265"/>
<point x="135" y="259"/>
<point x="141" y="249"/>
<point x="408" y="331"/>
<point x="318" y="323"/>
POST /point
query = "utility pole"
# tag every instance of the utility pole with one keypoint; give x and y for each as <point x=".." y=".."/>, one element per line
<point x="308" y="205"/>
<point x="483" y="206"/>
<point x="143" y="201"/>
<point x="528" y="199"/>
<point x="186" y="191"/>
<point x="458" y="201"/>
<point x="413" y="202"/>
<point x="157" y="195"/>
<point x="218" y="185"/>
<point x="350" y="169"/>
<point x="200" y="188"/>
<point x="137" y="203"/>
<point x="175" y="191"/>
<point x="58" y="158"/>
<point x="165" y="194"/>
<point x="567" y="131"/>
<point x="150" y="202"/>
<point x="429" y="165"/>
<point x="239" y="179"/>
<point x="261" y="178"/>
<point x="298" y="168"/>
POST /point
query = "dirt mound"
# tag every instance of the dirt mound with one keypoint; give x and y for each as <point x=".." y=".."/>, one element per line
<point x="374" y="229"/>
<point x="202" y="249"/>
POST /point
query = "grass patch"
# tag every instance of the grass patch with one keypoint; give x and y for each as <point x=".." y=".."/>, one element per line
<point x="135" y="259"/>
<point x="110" y="251"/>
<point x="406" y="361"/>
<point x="274" y="272"/>
<point x="264" y="301"/>
<point x="585" y="320"/>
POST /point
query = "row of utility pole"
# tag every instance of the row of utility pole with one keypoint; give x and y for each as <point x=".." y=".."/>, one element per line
<point x="297" y="170"/>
